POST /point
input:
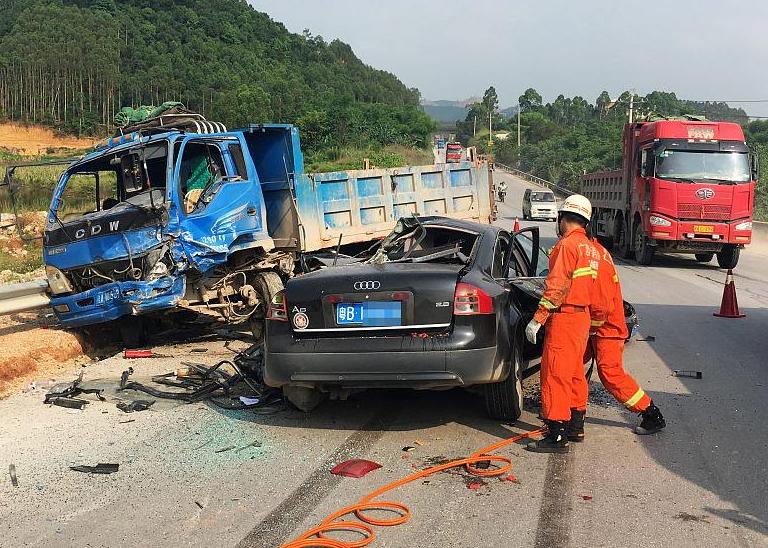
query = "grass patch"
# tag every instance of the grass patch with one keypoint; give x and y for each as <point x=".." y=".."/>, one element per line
<point x="20" y="263"/>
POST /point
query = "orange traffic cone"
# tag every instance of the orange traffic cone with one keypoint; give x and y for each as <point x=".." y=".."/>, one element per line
<point x="729" y="308"/>
<point x="517" y="225"/>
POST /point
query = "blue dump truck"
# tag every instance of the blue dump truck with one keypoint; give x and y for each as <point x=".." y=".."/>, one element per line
<point x="189" y="217"/>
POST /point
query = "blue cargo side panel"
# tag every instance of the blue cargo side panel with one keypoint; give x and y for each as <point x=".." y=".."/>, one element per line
<point x="362" y="205"/>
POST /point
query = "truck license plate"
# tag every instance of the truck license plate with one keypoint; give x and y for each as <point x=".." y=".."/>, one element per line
<point x="704" y="229"/>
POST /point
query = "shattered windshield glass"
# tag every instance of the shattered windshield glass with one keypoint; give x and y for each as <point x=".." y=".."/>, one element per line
<point x="426" y="243"/>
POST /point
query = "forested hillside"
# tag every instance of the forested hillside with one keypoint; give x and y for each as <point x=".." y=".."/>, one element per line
<point x="73" y="63"/>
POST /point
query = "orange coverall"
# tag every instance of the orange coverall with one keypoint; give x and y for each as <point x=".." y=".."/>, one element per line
<point x="609" y="336"/>
<point x="564" y="307"/>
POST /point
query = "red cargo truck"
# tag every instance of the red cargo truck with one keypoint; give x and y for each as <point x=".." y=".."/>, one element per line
<point x="453" y="153"/>
<point x="686" y="187"/>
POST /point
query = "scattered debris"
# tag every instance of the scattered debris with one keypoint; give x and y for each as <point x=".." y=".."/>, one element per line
<point x="254" y="443"/>
<point x="690" y="374"/>
<point x="474" y="485"/>
<point x="409" y="448"/>
<point x="685" y="516"/>
<point x="199" y="505"/>
<point x="126" y="422"/>
<point x="198" y="350"/>
<point x="512" y="478"/>
<point x="418" y="442"/>
<point x="12" y="472"/>
<point x="586" y="497"/>
<point x="223" y="449"/>
<point x="69" y="403"/>
<point x="647" y="338"/>
<point x="248" y="401"/>
<point x="69" y="391"/>
<point x="482" y="465"/>
<point x="101" y="468"/>
<point x="355" y="468"/>
<point x="135" y="405"/>
<point x="426" y="482"/>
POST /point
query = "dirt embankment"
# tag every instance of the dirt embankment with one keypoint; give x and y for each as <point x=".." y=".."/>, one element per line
<point x="36" y="140"/>
<point x="31" y="349"/>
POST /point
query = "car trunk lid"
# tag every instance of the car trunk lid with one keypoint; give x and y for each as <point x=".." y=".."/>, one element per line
<point x="387" y="297"/>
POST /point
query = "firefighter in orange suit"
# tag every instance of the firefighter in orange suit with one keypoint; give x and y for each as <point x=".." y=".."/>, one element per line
<point x="564" y="308"/>
<point x="609" y="331"/>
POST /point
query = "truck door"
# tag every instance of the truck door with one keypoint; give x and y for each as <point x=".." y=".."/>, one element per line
<point x="218" y="201"/>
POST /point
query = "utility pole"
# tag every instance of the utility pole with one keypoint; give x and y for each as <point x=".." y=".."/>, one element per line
<point x="518" y="125"/>
<point x="631" y="108"/>
<point x="474" y="127"/>
<point x="490" y="129"/>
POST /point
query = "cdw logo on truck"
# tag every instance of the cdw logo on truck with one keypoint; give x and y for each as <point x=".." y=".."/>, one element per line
<point x="95" y="230"/>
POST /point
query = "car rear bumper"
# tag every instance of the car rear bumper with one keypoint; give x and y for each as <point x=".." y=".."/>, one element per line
<point x="419" y="369"/>
<point x="468" y="354"/>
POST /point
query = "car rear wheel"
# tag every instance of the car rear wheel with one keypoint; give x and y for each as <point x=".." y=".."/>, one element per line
<point x="504" y="400"/>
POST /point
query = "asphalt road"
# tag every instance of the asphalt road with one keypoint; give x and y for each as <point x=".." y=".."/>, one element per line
<point x="701" y="482"/>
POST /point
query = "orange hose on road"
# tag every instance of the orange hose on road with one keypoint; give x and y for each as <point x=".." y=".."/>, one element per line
<point x="316" y="537"/>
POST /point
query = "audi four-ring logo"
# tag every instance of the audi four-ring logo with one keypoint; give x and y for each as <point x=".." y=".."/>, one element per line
<point x="367" y="286"/>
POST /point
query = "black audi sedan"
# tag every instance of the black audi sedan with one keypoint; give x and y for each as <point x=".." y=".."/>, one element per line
<point x="438" y="303"/>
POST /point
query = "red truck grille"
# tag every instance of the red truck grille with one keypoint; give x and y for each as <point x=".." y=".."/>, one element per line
<point x="704" y="211"/>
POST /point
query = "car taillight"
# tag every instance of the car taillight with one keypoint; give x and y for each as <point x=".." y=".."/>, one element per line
<point x="278" y="308"/>
<point x="468" y="300"/>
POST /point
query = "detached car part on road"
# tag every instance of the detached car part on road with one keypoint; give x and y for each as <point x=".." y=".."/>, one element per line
<point x="440" y="303"/>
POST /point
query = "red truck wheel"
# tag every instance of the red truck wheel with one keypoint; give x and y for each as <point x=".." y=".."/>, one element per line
<point x="643" y="251"/>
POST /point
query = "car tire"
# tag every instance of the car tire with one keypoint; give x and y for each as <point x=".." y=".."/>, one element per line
<point x="504" y="400"/>
<point x="728" y="257"/>
<point x="303" y="398"/>
<point x="704" y="257"/>
<point x="267" y="284"/>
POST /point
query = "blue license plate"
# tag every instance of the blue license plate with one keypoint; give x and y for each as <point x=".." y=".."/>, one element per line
<point x="370" y="314"/>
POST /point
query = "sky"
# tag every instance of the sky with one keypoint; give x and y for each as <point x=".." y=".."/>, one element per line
<point x="449" y="49"/>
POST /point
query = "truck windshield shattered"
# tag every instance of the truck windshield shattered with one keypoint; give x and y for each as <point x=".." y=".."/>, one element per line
<point x="732" y="167"/>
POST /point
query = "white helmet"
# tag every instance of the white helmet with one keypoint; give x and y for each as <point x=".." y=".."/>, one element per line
<point x="579" y="205"/>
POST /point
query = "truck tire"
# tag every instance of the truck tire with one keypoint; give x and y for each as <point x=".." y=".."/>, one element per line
<point x="504" y="400"/>
<point x="623" y="239"/>
<point x="267" y="284"/>
<point x="643" y="251"/>
<point x="132" y="331"/>
<point x="729" y="256"/>
<point x="704" y="257"/>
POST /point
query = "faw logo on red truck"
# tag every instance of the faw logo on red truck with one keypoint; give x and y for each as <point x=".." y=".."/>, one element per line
<point x="705" y="193"/>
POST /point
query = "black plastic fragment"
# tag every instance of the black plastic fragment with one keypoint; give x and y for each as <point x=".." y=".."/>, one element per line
<point x="101" y="468"/>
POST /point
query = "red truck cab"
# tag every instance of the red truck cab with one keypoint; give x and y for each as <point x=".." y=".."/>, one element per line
<point x="686" y="187"/>
<point x="453" y="153"/>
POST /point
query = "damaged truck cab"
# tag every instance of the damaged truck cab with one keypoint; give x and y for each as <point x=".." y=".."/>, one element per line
<point x="214" y="221"/>
<point x="168" y="220"/>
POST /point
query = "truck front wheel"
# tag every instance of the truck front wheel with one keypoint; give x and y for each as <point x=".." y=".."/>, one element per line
<point x="623" y="239"/>
<point x="728" y="257"/>
<point x="643" y="251"/>
<point x="267" y="284"/>
<point x="704" y="257"/>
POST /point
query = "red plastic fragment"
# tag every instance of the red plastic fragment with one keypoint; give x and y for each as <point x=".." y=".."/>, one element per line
<point x="586" y="497"/>
<point x="511" y="477"/>
<point x="355" y="468"/>
<point x="132" y="354"/>
<point x="474" y="485"/>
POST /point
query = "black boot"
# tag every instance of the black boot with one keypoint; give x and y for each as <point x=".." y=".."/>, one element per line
<point x="652" y="421"/>
<point x="575" y="431"/>
<point x="555" y="441"/>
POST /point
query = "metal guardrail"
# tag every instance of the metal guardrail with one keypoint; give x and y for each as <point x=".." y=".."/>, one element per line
<point x="24" y="296"/>
<point x="534" y="179"/>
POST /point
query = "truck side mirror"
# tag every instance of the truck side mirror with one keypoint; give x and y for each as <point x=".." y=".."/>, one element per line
<point x="755" y="166"/>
